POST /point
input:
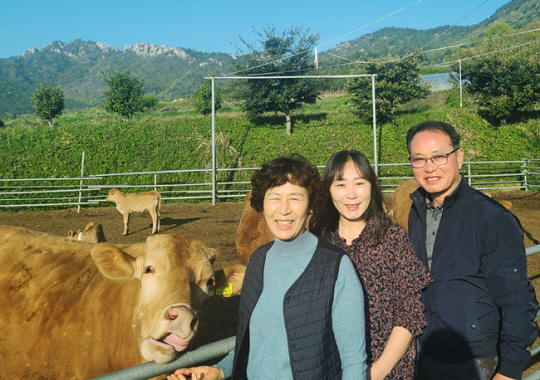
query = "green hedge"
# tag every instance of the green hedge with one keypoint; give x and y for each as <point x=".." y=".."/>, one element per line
<point x="176" y="140"/>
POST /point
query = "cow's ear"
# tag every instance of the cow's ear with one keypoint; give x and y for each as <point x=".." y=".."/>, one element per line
<point x="70" y="233"/>
<point x="113" y="262"/>
<point x="229" y="280"/>
<point x="211" y="254"/>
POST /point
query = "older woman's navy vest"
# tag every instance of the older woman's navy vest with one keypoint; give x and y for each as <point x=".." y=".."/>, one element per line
<point x="307" y="311"/>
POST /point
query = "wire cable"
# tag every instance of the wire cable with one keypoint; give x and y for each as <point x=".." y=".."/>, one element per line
<point x="318" y="46"/>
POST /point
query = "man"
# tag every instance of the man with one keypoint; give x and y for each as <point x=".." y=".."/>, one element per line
<point x="480" y="308"/>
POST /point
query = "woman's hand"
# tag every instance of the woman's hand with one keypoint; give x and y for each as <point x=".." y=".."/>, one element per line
<point x="397" y="345"/>
<point x="197" y="373"/>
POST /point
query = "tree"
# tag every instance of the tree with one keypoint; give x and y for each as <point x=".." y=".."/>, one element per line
<point x="397" y="82"/>
<point x="124" y="95"/>
<point x="288" y="54"/>
<point x="497" y="30"/>
<point x="504" y="82"/>
<point x="202" y="97"/>
<point x="148" y="101"/>
<point x="48" y="102"/>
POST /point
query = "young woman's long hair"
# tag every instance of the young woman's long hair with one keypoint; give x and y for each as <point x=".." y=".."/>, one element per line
<point x="327" y="224"/>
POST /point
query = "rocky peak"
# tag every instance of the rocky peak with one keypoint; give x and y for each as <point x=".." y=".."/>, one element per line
<point x="75" y="49"/>
<point x="151" y="50"/>
<point x="32" y="50"/>
<point x="106" y="48"/>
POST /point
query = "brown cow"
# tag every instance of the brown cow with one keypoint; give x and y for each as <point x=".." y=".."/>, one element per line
<point x="75" y="310"/>
<point x="93" y="233"/>
<point x="138" y="202"/>
<point x="252" y="231"/>
<point x="402" y="203"/>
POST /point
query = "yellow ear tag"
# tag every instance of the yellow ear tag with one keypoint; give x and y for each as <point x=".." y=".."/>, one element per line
<point x="225" y="290"/>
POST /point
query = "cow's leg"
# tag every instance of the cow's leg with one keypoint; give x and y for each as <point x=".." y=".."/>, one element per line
<point x="126" y="223"/>
<point x="154" y="219"/>
<point x="158" y="216"/>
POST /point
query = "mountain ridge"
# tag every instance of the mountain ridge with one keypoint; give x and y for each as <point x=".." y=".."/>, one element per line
<point x="79" y="67"/>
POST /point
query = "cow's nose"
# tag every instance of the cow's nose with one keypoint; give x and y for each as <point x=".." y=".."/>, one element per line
<point x="183" y="320"/>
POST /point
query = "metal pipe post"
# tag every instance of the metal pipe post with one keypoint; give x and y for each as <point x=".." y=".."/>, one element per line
<point x="214" y="195"/>
<point x="375" y="161"/>
<point x="81" y="184"/>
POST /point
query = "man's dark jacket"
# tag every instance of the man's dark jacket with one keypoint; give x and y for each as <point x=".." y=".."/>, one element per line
<point x="307" y="311"/>
<point x="480" y="303"/>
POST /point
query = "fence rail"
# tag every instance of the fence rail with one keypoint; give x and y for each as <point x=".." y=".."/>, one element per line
<point x="220" y="348"/>
<point x="197" y="184"/>
<point x="88" y="190"/>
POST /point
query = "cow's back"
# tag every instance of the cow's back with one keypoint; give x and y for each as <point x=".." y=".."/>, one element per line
<point x="60" y="318"/>
<point x="252" y="231"/>
<point x="401" y="203"/>
<point x="138" y="202"/>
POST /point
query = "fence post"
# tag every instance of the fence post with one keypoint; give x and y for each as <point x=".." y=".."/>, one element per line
<point x="375" y="160"/>
<point x="155" y="181"/>
<point x="460" y="87"/>
<point x="525" y="174"/>
<point x="469" y="172"/>
<point x="81" y="184"/>
<point x="214" y="190"/>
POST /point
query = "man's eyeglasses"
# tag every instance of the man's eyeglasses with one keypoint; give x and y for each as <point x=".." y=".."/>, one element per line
<point x="437" y="159"/>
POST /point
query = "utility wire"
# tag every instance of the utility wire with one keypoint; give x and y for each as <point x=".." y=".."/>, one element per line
<point x="492" y="52"/>
<point x="443" y="33"/>
<point x="302" y="52"/>
<point x="457" y="22"/>
<point x="371" y="23"/>
<point x="437" y="49"/>
<point x="443" y="64"/>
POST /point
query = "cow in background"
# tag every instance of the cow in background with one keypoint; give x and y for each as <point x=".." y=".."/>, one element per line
<point x="92" y="233"/>
<point x="138" y="202"/>
<point x="252" y="231"/>
<point x="401" y="203"/>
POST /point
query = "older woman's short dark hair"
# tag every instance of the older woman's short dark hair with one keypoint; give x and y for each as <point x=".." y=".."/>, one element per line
<point x="294" y="169"/>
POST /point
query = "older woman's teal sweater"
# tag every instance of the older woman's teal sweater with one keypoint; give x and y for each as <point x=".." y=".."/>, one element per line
<point x="268" y="354"/>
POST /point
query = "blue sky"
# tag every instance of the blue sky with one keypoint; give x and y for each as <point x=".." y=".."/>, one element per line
<point x="212" y="26"/>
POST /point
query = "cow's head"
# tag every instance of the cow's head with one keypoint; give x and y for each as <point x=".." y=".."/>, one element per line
<point x="176" y="275"/>
<point x="111" y="196"/>
<point x="93" y="233"/>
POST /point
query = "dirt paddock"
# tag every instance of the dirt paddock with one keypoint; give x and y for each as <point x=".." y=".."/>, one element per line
<point x="216" y="226"/>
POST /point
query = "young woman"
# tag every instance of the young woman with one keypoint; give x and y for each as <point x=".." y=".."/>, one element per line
<point x="299" y="315"/>
<point x="391" y="275"/>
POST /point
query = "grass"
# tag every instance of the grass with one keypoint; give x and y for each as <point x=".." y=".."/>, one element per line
<point x="165" y="140"/>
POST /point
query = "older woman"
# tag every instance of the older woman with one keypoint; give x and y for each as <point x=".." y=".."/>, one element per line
<point x="301" y="313"/>
<point x="390" y="272"/>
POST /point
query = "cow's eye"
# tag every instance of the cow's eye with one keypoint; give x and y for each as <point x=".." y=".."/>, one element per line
<point x="211" y="282"/>
<point x="149" y="269"/>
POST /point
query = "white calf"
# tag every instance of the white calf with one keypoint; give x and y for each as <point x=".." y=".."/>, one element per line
<point x="128" y="203"/>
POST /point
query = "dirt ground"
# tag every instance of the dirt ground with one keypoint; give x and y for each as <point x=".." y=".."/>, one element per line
<point x="216" y="226"/>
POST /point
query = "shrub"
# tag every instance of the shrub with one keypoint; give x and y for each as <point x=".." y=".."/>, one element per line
<point x="148" y="101"/>
<point x="452" y="99"/>
<point x="48" y="102"/>
<point x="202" y="97"/>
<point x="124" y="94"/>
